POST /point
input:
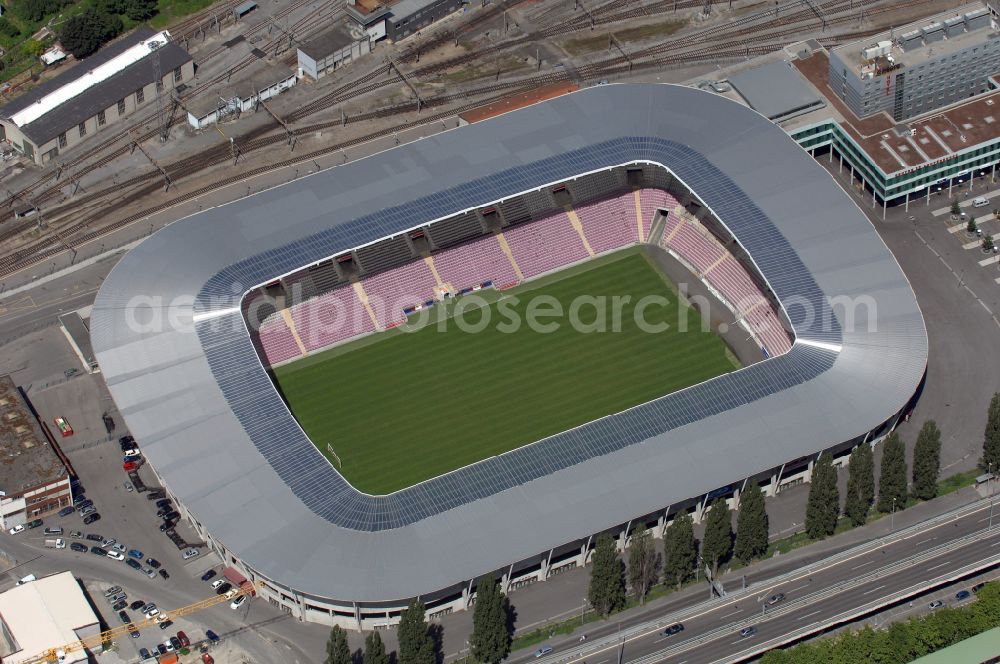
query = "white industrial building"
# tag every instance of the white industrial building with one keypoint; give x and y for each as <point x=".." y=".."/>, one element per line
<point x="47" y="614"/>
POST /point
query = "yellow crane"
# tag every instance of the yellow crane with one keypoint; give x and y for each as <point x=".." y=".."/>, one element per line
<point x="57" y="653"/>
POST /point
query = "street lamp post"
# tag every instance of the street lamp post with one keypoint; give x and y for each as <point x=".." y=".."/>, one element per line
<point x="989" y="526"/>
<point x="892" y="516"/>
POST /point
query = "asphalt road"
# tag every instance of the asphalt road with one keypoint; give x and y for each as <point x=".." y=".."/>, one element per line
<point x="799" y="586"/>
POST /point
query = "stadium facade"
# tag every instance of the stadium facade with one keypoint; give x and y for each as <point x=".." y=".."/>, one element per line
<point x="169" y="331"/>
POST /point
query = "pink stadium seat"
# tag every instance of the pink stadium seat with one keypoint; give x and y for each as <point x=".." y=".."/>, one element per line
<point x="331" y="318"/>
<point x="651" y="200"/>
<point x="392" y="291"/>
<point x="609" y="224"/>
<point x="546" y="244"/>
<point x="473" y="263"/>
<point x="276" y="340"/>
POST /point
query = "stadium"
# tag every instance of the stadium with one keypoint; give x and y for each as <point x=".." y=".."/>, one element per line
<point x="266" y="357"/>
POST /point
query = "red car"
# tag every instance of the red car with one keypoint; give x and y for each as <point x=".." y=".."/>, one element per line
<point x="183" y="638"/>
<point x="130" y="465"/>
<point x="65" y="430"/>
<point x="207" y="659"/>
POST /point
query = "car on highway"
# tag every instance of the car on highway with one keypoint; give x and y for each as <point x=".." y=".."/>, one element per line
<point x="212" y="636"/>
<point x="191" y="553"/>
<point x="962" y="595"/>
<point x="16" y="529"/>
<point x="163" y="573"/>
<point x="238" y="602"/>
<point x="775" y="598"/>
<point x="936" y="604"/>
<point x="183" y="638"/>
<point x="135" y="553"/>
<point x="208" y="575"/>
<point x="66" y="511"/>
<point x="79" y="548"/>
<point x="124" y="617"/>
<point x="153" y="562"/>
<point x="543" y="651"/>
<point x="133" y="564"/>
<point x="676" y="628"/>
<point x="96" y="516"/>
<point x="747" y="632"/>
<point x="98" y="551"/>
<point x="115" y="555"/>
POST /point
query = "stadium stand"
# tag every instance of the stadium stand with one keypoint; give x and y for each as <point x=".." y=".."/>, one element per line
<point x="329" y="319"/>
<point x="391" y="291"/>
<point x="610" y="223"/>
<point x="545" y="245"/>
<point x="650" y="201"/>
<point x="277" y="340"/>
<point x="473" y="263"/>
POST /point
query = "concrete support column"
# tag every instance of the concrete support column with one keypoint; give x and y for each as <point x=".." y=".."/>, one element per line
<point x="840" y="158"/>
<point x="546" y="564"/>
<point x="505" y="583"/>
<point x="907" y="208"/>
<point x="883" y="209"/>
<point x="809" y="470"/>
<point x="623" y="536"/>
<point x="466" y="596"/>
<point x="699" y="511"/>
<point x="357" y="616"/>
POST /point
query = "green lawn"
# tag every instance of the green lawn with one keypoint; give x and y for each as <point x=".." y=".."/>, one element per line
<point x="399" y="408"/>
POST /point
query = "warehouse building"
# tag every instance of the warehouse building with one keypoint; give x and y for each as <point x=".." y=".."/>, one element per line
<point x="338" y="46"/>
<point x="261" y="81"/>
<point x="48" y="614"/>
<point x="34" y="481"/>
<point x="99" y="91"/>
<point x="920" y="67"/>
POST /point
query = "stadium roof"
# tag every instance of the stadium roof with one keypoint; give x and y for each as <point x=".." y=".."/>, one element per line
<point x="196" y="396"/>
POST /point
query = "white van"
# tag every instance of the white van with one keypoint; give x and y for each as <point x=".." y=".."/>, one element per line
<point x="982" y="201"/>
<point x="56" y="543"/>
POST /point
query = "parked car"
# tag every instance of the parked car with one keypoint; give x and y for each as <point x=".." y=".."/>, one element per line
<point x="130" y="465"/>
<point x="206" y="658"/>
<point x="160" y="648"/>
<point x="133" y="564"/>
<point x="149" y="607"/>
<point x="124" y="617"/>
<point x="976" y="588"/>
<point x="163" y="511"/>
<point x="191" y="553"/>
<point x="66" y="511"/>
<point x="212" y="636"/>
<point x="115" y="555"/>
<point x="98" y="551"/>
<point x="79" y="498"/>
<point x="144" y="653"/>
<point x="163" y="503"/>
<point x="171" y="516"/>
<point x="167" y="525"/>
<point x="164" y="574"/>
<point x="76" y="534"/>
<point x="135" y="553"/>
<point x="119" y="605"/>
<point x="79" y="548"/>
<point x="119" y="547"/>
<point x="17" y="529"/>
<point x="94" y="537"/>
<point x="53" y="532"/>
<point x="137" y="605"/>
<point x="175" y="642"/>
<point x="96" y="516"/>
<point x="747" y="632"/>
<point x="108" y="542"/>
<point x="87" y="511"/>
<point x="962" y="594"/>
<point x="169" y="645"/>
<point x="149" y="571"/>
<point x="156" y="495"/>
<point x="133" y="631"/>
<point x="208" y="575"/>
<point x="113" y="590"/>
<point x="33" y="524"/>
<point x="543" y="651"/>
<point x="153" y="562"/>
<point x="936" y="604"/>
<point x="166" y="624"/>
<point x="151" y="613"/>
<point x="183" y="638"/>
<point x="130" y="455"/>
<point x="117" y="597"/>
<point x="222" y="588"/>
<point x="676" y="628"/>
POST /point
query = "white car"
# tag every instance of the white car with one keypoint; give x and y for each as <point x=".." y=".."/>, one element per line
<point x="134" y="452"/>
<point x="16" y="529"/>
<point x="191" y="553"/>
<point x="162" y="617"/>
<point x="115" y="555"/>
<point x="120" y="548"/>
<point x="232" y="593"/>
<point x="218" y="582"/>
<point x="238" y="602"/>
<point x="152" y="613"/>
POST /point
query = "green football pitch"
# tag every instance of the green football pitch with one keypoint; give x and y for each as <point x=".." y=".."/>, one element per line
<point x="400" y="407"/>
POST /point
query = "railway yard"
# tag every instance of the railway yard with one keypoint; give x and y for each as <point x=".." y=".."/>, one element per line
<point x="470" y="59"/>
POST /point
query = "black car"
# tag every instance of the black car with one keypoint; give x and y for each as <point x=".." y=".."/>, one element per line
<point x="160" y="648"/>
<point x="164" y="574"/>
<point x="156" y="495"/>
<point x="98" y="551"/>
<point x="208" y="575"/>
<point x="85" y="504"/>
<point x="166" y="624"/>
<point x="79" y="548"/>
<point x="175" y="642"/>
<point x="676" y="628"/>
<point x="94" y="537"/>
<point x="137" y="604"/>
<point x="79" y="498"/>
<point x="170" y="516"/>
<point x="976" y="588"/>
<point x="134" y="564"/>
<point x="164" y="510"/>
<point x="153" y="562"/>
<point x="211" y="636"/>
<point x="90" y="518"/>
<point x="163" y="503"/>
<point x="223" y="588"/>
<point x="119" y="605"/>
<point x="124" y="617"/>
<point x="167" y="525"/>
<point x="133" y="631"/>
<point x="144" y="653"/>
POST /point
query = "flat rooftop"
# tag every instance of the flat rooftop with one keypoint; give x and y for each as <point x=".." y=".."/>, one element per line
<point x="933" y="37"/>
<point x="329" y="42"/>
<point x="46" y="613"/>
<point x="258" y="76"/>
<point x="26" y="457"/>
<point x="901" y="146"/>
<point x="776" y="90"/>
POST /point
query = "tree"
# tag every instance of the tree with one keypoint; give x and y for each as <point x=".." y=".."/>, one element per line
<point x="991" y="437"/>
<point x="84" y="33"/>
<point x="860" y="484"/>
<point x="607" y="580"/>
<point x="643" y="563"/>
<point x="927" y="461"/>
<point x="751" y="525"/>
<point x="717" y="543"/>
<point x="987" y="243"/>
<point x="137" y="10"/>
<point x="415" y="643"/>
<point x="375" y="650"/>
<point x="955" y="207"/>
<point x="680" y="550"/>
<point x="972" y="226"/>
<point x="337" y="650"/>
<point x="823" y="506"/>
<point x="491" y="639"/>
<point x="34" y="48"/>
<point x="8" y="29"/>
<point x="892" y="475"/>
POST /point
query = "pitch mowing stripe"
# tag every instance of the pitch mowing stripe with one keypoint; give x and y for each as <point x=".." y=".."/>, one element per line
<point x="412" y="406"/>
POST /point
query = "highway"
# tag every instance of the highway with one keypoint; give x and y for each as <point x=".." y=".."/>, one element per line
<point x="832" y="591"/>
